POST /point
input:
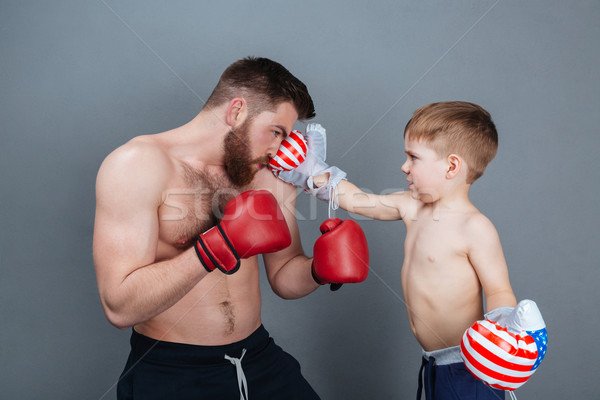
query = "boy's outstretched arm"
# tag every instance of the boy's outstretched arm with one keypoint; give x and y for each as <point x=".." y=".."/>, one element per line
<point x="486" y="256"/>
<point x="392" y="206"/>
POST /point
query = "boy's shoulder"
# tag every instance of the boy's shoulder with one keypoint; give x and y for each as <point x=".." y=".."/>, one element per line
<point x="475" y="219"/>
<point x="408" y="205"/>
<point x="478" y="227"/>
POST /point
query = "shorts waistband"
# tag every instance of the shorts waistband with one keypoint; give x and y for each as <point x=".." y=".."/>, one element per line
<point x="449" y="355"/>
<point x="181" y="353"/>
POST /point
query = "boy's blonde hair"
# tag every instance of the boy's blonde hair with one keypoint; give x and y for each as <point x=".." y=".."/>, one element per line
<point x="456" y="127"/>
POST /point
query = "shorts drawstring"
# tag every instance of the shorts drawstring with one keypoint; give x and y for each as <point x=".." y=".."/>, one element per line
<point x="240" y="374"/>
<point x="429" y="379"/>
<point x="333" y="201"/>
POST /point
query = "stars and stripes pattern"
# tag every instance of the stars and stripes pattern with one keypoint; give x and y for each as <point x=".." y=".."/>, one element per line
<point x="502" y="359"/>
<point x="541" y="340"/>
<point x="291" y="153"/>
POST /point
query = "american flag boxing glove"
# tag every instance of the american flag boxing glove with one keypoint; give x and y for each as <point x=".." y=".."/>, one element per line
<point x="506" y="348"/>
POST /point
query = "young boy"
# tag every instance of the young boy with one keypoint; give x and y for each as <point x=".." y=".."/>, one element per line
<point x="452" y="251"/>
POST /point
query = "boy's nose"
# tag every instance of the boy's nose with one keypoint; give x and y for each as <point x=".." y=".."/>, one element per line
<point x="404" y="168"/>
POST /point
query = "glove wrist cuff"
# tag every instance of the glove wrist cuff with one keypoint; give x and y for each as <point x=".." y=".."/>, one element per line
<point x="332" y="286"/>
<point x="215" y="250"/>
<point x="206" y="259"/>
<point x="314" y="275"/>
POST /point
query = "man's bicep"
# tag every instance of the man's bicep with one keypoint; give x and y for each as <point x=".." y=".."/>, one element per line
<point x="122" y="244"/>
<point x="286" y="198"/>
<point x="126" y="223"/>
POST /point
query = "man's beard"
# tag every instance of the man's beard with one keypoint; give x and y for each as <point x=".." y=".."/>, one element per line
<point x="240" y="166"/>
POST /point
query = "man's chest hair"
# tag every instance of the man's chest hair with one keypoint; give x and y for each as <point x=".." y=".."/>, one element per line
<point x="194" y="205"/>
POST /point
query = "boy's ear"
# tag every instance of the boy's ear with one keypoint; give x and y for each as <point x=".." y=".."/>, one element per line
<point x="236" y="112"/>
<point x="455" y="164"/>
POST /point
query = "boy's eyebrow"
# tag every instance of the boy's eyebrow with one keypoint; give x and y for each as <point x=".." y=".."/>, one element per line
<point x="411" y="153"/>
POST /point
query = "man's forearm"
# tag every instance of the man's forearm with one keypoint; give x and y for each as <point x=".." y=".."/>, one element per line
<point x="294" y="280"/>
<point x="152" y="289"/>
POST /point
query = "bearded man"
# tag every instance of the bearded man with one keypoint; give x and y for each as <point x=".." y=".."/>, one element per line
<point x="180" y="219"/>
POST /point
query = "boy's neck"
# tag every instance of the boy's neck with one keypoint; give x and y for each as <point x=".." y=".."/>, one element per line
<point x="455" y="199"/>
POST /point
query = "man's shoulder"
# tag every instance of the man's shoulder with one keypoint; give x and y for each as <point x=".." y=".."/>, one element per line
<point x="138" y="165"/>
<point x="141" y="152"/>
<point x="139" y="149"/>
<point x="264" y="179"/>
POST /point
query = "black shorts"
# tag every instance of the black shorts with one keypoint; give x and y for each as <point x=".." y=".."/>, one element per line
<point x="165" y="370"/>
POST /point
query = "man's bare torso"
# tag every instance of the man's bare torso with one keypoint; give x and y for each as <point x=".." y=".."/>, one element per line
<point x="221" y="308"/>
<point x="441" y="288"/>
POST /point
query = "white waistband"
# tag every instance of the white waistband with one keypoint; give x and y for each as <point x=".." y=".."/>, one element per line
<point x="449" y="355"/>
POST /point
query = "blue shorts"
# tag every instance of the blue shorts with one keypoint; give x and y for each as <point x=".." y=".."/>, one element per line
<point x="255" y="366"/>
<point x="445" y="377"/>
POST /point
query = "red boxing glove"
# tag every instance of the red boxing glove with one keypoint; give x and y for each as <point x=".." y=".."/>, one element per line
<point x="341" y="254"/>
<point x="252" y="224"/>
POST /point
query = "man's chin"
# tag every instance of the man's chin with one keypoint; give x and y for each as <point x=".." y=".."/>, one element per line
<point x="243" y="178"/>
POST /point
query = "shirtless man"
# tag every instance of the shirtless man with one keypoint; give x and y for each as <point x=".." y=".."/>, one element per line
<point x="197" y="329"/>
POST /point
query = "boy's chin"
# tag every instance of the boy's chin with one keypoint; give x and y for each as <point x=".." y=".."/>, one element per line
<point x="414" y="193"/>
<point x="424" y="197"/>
<point x="427" y="198"/>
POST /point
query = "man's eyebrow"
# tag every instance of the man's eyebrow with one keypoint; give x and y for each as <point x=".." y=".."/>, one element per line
<point x="285" y="132"/>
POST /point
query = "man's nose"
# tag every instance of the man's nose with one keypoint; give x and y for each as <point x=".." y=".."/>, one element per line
<point x="272" y="150"/>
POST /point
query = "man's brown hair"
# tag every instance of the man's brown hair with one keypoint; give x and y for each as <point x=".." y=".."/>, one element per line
<point x="456" y="127"/>
<point x="265" y="84"/>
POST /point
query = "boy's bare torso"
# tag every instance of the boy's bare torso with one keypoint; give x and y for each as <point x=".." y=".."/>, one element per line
<point x="221" y="308"/>
<point x="441" y="289"/>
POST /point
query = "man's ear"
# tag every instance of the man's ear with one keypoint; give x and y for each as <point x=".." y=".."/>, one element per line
<point x="455" y="164"/>
<point x="237" y="111"/>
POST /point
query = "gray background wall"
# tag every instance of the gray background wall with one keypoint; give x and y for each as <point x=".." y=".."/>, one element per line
<point x="78" y="79"/>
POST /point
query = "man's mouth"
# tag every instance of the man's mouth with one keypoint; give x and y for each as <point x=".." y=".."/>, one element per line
<point x="262" y="162"/>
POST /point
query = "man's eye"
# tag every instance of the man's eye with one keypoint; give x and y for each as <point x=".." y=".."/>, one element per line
<point x="276" y="133"/>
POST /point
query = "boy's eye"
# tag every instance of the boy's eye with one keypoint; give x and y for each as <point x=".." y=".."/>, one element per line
<point x="276" y="133"/>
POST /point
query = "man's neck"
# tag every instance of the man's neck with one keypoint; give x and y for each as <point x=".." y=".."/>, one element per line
<point x="200" y="141"/>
